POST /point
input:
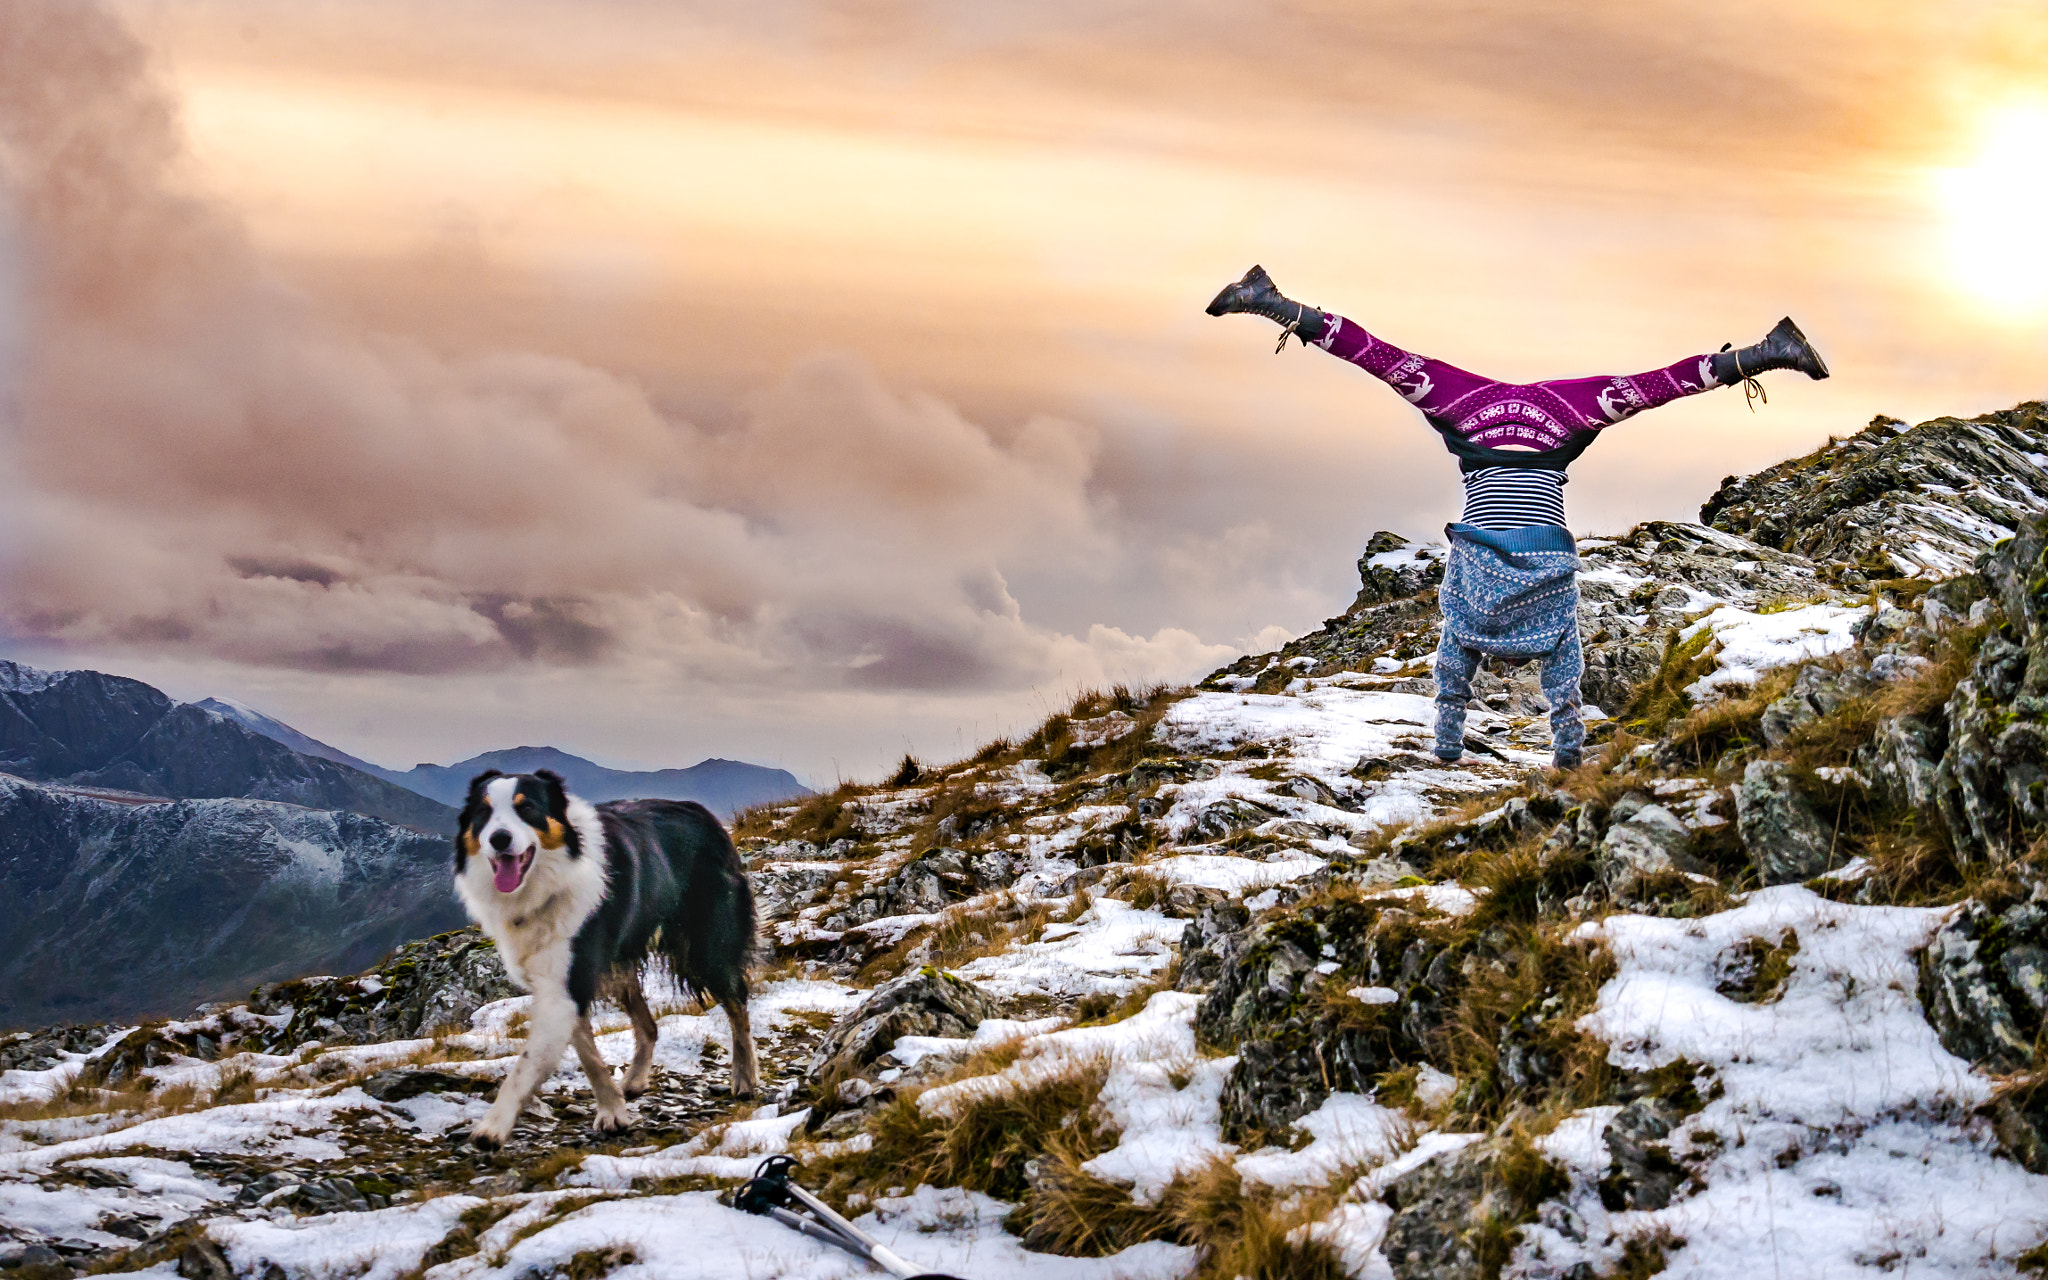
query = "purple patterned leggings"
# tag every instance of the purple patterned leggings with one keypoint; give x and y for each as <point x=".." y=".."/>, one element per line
<point x="1536" y="415"/>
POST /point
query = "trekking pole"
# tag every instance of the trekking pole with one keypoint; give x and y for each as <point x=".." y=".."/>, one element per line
<point x="770" y="1192"/>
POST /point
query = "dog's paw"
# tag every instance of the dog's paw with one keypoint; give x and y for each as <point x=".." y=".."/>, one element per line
<point x="633" y="1091"/>
<point x="612" y="1120"/>
<point x="489" y="1135"/>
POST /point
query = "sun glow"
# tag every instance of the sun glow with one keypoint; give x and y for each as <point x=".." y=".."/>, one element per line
<point x="1998" y="213"/>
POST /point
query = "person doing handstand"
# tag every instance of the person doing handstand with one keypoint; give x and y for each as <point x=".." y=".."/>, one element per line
<point x="1510" y="587"/>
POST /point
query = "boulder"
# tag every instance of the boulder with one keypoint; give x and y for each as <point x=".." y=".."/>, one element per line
<point x="139" y="1050"/>
<point x="1984" y="984"/>
<point x="1993" y="781"/>
<point x="1450" y="1210"/>
<point x="438" y="982"/>
<point x="1643" y="840"/>
<point x="1782" y="834"/>
<point x="1393" y="568"/>
<point x="1118" y="842"/>
<point x="40" y="1050"/>
<point x="1225" y="818"/>
<point x="399" y="1084"/>
<point x="1278" y="1000"/>
<point x="1210" y="943"/>
<point x="1816" y="692"/>
<point x="1903" y="761"/>
<point x="925" y="1002"/>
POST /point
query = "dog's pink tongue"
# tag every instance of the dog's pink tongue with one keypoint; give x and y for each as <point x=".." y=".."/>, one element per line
<point x="507" y="874"/>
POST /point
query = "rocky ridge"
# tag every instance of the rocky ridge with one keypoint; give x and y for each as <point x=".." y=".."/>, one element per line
<point x="1238" y="980"/>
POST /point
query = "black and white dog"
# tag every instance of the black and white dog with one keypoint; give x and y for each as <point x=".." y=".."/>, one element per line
<point x="578" y="896"/>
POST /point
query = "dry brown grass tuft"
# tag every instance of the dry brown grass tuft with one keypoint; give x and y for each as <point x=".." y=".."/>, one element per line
<point x="552" y="1165"/>
<point x="1071" y="1212"/>
<point x="461" y="1241"/>
<point x="1101" y="1009"/>
<point x="1661" y="698"/>
<point x="1144" y="889"/>
<point x="83" y="1100"/>
<point x="963" y="935"/>
<point x="141" y="1095"/>
<point x="986" y="1143"/>
<point x="1647" y="1255"/>
<point x="1704" y="736"/>
<point x="821" y="819"/>
<point x="594" y="1263"/>
<point x="1529" y="992"/>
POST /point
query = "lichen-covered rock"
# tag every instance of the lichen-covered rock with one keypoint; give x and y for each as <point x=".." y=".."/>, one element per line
<point x="437" y="982"/>
<point x="1281" y="1000"/>
<point x="1225" y="818"/>
<point x="933" y="880"/>
<point x="1781" y="832"/>
<point x="1643" y="839"/>
<point x="1452" y="1213"/>
<point x="1210" y="943"/>
<point x="401" y="1083"/>
<point x="781" y="887"/>
<point x="1984" y="983"/>
<point x="1816" y="692"/>
<point x="139" y="1050"/>
<point x="1891" y="501"/>
<point x="1118" y="842"/>
<point x="1392" y="568"/>
<point x="1903" y="760"/>
<point x="41" y="1050"/>
<point x="924" y="1002"/>
<point x="1993" y="781"/>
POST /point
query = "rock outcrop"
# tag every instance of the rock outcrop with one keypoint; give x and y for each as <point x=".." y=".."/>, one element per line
<point x="1984" y="982"/>
<point x="423" y="987"/>
<point x="1784" y="836"/>
<point x="1893" y="501"/>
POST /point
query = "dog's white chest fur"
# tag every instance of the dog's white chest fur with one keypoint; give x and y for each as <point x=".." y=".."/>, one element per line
<point x="533" y="925"/>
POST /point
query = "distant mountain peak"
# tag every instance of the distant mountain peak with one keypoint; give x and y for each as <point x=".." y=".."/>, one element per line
<point x="89" y="729"/>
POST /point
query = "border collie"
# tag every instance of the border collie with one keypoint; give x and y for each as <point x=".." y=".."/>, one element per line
<point x="578" y="896"/>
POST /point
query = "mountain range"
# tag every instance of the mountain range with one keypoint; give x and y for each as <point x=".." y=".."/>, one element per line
<point x="723" y="786"/>
<point x="93" y="730"/>
<point x="125" y="907"/>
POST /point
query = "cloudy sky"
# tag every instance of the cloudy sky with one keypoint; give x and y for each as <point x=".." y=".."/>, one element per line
<point x="806" y="382"/>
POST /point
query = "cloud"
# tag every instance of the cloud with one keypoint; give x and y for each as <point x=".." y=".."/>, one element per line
<point x="208" y="464"/>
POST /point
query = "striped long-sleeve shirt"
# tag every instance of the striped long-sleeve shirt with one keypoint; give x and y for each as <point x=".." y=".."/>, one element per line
<point x="1503" y="498"/>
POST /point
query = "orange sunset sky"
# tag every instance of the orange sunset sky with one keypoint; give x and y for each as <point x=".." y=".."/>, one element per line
<point x="811" y="382"/>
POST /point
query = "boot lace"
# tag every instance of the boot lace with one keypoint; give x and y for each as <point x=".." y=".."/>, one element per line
<point x="1752" y="390"/>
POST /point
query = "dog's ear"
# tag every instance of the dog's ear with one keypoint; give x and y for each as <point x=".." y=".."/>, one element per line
<point x="476" y="800"/>
<point x="558" y="792"/>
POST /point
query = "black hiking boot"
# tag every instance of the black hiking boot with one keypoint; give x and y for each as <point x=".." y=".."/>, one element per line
<point x="1782" y="348"/>
<point x="1257" y="295"/>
